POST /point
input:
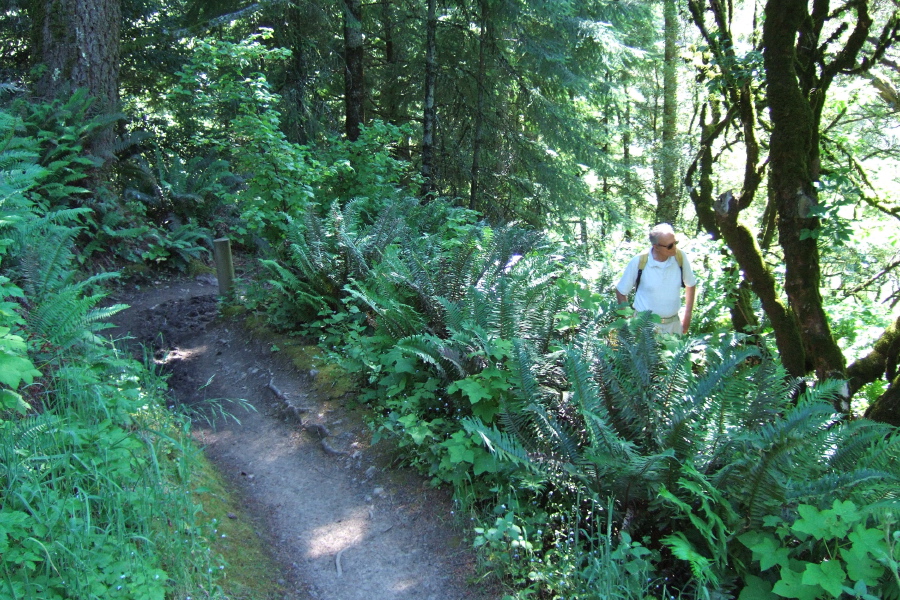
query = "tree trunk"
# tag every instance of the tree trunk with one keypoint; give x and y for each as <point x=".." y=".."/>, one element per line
<point x="881" y="362"/>
<point x="742" y="315"/>
<point x="429" y="117"/>
<point x="626" y="163"/>
<point x="802" y="55"/>
<point x="887" y="408"/>
<point x="481" y="83"/>
<point x="667" y="200"/>
<point x="390" y="96"/>
<point x="793" y="169"/>
<point x="299" y="122"/>
<point x="77" y="44"/>
<point x="354" y="84"/>
<point x="788" y="337"/>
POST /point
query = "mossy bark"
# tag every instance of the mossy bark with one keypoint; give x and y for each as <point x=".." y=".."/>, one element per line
<point x="354" y="83"/>
<point x="797" y="80"/>
<point x="880" y="363"/>
<point x="76" y="44"/>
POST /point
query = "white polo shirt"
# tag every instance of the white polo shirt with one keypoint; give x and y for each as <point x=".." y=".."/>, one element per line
<point x="660" y="289"/>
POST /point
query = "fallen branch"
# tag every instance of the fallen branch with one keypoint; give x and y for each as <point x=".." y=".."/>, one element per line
<point x="337" y="562"/>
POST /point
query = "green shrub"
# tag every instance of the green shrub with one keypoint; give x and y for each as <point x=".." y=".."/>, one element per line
<point x="694" y="444"/>
<point x="95" y="474"/>
<point x="824" y="553"/>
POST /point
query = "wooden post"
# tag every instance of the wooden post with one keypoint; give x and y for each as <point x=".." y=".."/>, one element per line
<point x="224" y="266"/>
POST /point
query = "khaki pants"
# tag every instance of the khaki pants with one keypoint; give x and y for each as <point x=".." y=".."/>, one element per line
<point x="674" y="326"/>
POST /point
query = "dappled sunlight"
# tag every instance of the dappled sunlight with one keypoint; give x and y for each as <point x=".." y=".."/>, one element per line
<point x="179" y="354"/>
<point x="339" y="534"/>
<point x="405" y="585"/>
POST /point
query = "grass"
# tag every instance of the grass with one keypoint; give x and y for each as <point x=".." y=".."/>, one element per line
<point x="250" y="571"/>
<point x="103" y="494"/>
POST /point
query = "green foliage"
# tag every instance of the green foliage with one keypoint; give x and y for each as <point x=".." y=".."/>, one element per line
<point x="838" y="193"/>
<point x="171" y="188"/>
<point x="177" y="248"/>
<point x="446" y="322"/>
<point x="700" y="440"/>
<point x="227" y="107"/>
<point x="824" y="553"/>
<point x="18" y="174"/>
<point x="43" y="164"/>
<point x="54" y="134"/>
<point x="96" y="477"/>
<point x="94" y="491"/>
<point x="563" y="544"/>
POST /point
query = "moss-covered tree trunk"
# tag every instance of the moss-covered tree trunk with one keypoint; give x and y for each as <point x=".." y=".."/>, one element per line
<point x="793" y="168"/>
<point x="76" y="45"/>
<point x="881" y="362"/>
<point x="354" y="83"/>
<point x="721" y="218"/>
<point x="798" y="77"/>
<point x="429" y="117"/>
<point x="669" y="157"/>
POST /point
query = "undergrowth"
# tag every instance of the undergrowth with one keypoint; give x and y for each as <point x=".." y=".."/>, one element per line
<point x="99" y="497"/>
<point x="603" y="460"/>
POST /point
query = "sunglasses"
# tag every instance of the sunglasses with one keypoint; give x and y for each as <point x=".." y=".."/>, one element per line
<point x="668" y="246"/>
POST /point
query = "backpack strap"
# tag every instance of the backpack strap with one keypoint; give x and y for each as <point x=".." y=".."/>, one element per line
<point x="645" y="256"/>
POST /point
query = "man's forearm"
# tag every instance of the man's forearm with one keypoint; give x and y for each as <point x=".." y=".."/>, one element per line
<point x="622" y="299"/>
<point x="689" y="294"/>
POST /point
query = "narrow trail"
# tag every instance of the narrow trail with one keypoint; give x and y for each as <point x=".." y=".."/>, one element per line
<point x="342" y="524"/>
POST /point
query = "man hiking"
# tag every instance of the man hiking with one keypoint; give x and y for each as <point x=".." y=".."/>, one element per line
<point x="658" y="275"/>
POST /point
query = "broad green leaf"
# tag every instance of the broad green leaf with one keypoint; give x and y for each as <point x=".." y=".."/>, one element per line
<point x="485" y="463"/>
<point x="11" y="400"/>
<point x="868" y="540"/>
<point x="460" y="453"/>
<point x="15" y="369"/>
<point x="756" y="588"/>
<point x="829" y="574"/>
<point x="766" y="549"/>
<point x="860" y="566"/>
<point x="846" y="511"/>
<point x="474" y="390"/>
<point x="792" y="586"/>
<point x="822" y="525"/>
<point x="486" y="411"/>
<point x="405" y="364"/>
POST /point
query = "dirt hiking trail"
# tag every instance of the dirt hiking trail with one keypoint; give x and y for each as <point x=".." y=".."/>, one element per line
<point x="339" y="520"/>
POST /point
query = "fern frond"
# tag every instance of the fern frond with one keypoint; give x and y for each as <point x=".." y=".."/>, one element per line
<point x="426" y="348"/>
<point x="773" y="455"/>
<point x="504" y="446"/>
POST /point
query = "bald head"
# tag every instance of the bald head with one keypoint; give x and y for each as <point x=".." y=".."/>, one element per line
<point x="663" y="230"/>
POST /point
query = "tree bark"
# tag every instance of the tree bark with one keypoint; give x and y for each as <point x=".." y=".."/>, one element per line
<point x="880" y="362"/>
<point x="626" y="161"/>
<point x="797" y="80"/>
<point x="802" y="55"/>
<point x="667" y="199"/>
<point x="354" y="83"/>
<point x="390" y="95"/>
<point x="887" y="408"/>
<point x="429" y="117"/>
<point x="77" y="44"/>
<point x="481" y="83"/>
<point x="742" y="316"/>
